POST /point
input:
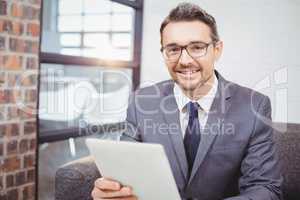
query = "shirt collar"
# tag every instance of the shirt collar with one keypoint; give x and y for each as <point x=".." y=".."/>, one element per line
<point x="205" y="102"/>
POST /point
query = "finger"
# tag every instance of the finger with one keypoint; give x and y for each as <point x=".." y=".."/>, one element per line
<point x="107" y="184"/>
<point x="123" y="192"/>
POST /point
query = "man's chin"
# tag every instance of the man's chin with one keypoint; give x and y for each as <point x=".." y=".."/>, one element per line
<point x="188" y="86"/>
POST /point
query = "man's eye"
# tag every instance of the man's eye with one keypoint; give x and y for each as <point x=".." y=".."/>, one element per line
<point x="174" y="49"/>
<point x="197" y="47"/>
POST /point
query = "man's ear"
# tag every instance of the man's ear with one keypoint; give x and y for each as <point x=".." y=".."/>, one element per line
<point x="218" y="50"/>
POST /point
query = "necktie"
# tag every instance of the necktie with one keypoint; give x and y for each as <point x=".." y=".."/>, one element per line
<point x="192" y="134"/>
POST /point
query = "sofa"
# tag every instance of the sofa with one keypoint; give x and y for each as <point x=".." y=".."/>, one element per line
<point x="75" y="180"/>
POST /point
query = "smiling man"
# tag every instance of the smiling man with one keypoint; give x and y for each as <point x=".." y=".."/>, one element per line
<point x="217" y="135"/>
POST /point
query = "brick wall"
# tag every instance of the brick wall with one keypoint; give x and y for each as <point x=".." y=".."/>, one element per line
<point x="19" y="46"/>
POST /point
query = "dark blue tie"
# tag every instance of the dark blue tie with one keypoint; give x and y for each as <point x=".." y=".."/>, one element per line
<point x="192" y="134"/>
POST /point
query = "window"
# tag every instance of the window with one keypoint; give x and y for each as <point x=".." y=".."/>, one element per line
<point x="90" y="53"/>
<point x="80" y="40"/>
<point x="95" y="28"/>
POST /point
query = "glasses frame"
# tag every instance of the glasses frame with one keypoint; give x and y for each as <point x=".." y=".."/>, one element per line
<point x="185" y="47"/>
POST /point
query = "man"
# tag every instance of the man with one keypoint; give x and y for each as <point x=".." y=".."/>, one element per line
<point x="216" y="134"/>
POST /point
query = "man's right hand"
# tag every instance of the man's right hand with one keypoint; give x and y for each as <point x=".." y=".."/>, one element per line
<point x="110" y="189"/>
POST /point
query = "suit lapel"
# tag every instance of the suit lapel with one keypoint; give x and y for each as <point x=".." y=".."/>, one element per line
<point x="171" y="115"/>
<point x="214" y="122"/>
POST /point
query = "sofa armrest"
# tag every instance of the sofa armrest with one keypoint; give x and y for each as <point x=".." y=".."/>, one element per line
<point x="75" y="180"/>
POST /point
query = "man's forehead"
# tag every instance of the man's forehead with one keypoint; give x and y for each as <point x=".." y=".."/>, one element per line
<point x="184" y="32"/>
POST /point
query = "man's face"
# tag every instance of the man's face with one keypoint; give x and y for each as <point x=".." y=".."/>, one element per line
<point x="190" y="73"/>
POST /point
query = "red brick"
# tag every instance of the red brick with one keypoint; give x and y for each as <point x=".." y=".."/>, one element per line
<point x="29" y="161"/>
<point x="4" y="96"/>
<point x="8" y="130"/>
<point x="12" y="194"/>
<point x="31" y="47"/>
<point x="11" y="27"/>
<point x="13" y="129"/>
<point x="31" y="175"/>
<point x="29" y="127"/>
<point x="10" y="180"/>
<point x="20" y="30"/>
<point x="23" y="146"/>
<point x="12" y="79"/>
<point x="20" y="178"/>
<point x="2" y="130"/>
<point x="16" y="45"/>
<point x="19" y="79"/>
<point x="17" y="28"/>
<point x="12" y="62"/>
<point x="23" y="46"/>
<point x="3" y="195"/>
<point x="6" y="26"/>
<point x="31" y="63"/>
<point x="2" y="43"/>
<point x="28" y="111"/>
<point x="2" y="78"/>
<point x="3" y="7"/>
<point x="25" y="114"/>
<point x="32" y="144"/>
<point x="2" y="25"/>
<point x="31" y="96"/>
<point x="29" y="80"/>
<point x="12" y="147"/>
<point x="10" y="96"/>
<point x="10" y="164"/>
<point x="1" y="149"/>
<point x="16" y="10"/>
<point x="33" y="29"/>
<point x="1" y="183"/>
<point x="29" y="192"/>
<point x="3" y="113"/>
<point x="12" y="113"/>
<point x="31" y="12"/>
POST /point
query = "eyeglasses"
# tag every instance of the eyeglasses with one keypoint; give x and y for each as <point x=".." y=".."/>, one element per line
<point x="195" y="50"/>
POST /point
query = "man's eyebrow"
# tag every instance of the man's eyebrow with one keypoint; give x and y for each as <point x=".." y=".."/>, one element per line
<point x="198" y="41"/>
<point x="192" y="42"/>
<point x="172" y="44"/>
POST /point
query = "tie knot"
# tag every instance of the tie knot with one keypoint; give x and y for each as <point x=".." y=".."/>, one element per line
<point x="192" y="108"/>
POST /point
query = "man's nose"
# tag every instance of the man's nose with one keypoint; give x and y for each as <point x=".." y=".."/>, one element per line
<point x="185" y="58"/>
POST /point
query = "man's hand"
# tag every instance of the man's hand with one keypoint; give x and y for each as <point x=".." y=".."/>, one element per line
<point x="109" y="189"/>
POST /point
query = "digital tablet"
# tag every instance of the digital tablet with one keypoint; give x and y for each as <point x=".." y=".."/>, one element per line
<point x="142" y="166"/>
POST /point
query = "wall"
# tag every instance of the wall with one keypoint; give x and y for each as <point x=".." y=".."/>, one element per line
<point x="260" y="47"/>
<point x="19" y="46"/>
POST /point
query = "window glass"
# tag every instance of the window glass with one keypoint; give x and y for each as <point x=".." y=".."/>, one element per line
<point x="89" y="28"/>
<point x="70" y="39"/>
<point x="122" y="22"/>
<point x="72" y="23"/>
<point x="68" y="96"/>
<point x="97" y="6"/>
<point x="67" y="7"/>
<point x="97" y="22"/>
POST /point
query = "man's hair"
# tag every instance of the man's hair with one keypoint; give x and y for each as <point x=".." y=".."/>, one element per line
<point x="191" y="12"/>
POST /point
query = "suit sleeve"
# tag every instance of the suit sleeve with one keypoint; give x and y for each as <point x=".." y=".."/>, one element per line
<point x="261" y="178"/>
<point x="132" y="132"/>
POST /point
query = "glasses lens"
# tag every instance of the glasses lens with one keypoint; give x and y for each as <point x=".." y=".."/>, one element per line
<point x="172" y="52"/>
<point x="197" y="49"/>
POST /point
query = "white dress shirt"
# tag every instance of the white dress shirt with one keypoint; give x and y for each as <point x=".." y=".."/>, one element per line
<point x="205" y="103"/>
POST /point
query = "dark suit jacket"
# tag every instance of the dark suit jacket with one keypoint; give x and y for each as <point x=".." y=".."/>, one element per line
<point x="236" y="158"/>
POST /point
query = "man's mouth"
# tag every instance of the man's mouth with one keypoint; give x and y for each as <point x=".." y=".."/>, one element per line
<point x="188" y="72"/>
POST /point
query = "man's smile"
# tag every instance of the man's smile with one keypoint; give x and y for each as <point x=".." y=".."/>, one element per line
<point x="187" y="72"/>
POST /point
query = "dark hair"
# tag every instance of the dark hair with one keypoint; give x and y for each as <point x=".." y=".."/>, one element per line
<point x="191" y="12"/>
